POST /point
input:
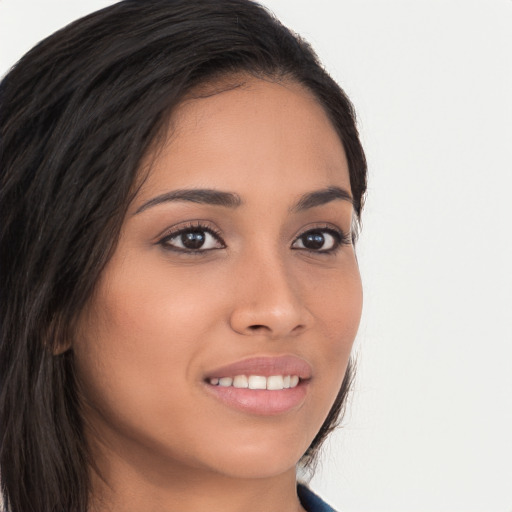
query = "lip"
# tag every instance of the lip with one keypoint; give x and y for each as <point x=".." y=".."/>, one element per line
<point x="265" y="366"/>
<point x="261" y="401"/>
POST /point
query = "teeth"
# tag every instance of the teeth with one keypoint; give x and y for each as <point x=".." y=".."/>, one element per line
<point x="274" y="382"/>
<point x="241" y="381"/>
<point x="257" y="382"/>
<point x="225" y="382"/>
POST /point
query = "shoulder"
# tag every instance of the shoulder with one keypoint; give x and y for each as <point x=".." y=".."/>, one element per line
<point x="310" y="501"/>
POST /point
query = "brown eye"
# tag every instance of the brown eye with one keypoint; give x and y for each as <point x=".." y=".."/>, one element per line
<point x="196" y="239"/>
<point x="319" y="240"/>
<point x="314" y="241"/>
<point x="193" y="239"/>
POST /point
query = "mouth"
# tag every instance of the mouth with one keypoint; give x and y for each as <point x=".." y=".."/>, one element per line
<point x="261" y="385"/>
<point x="271" y="383"/>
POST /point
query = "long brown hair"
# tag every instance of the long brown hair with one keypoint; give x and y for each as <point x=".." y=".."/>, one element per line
<point x="77" y="115"/>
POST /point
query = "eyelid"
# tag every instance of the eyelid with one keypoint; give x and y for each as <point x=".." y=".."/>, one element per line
<point x="343" y="237"/>
<point x="195" y="225"/>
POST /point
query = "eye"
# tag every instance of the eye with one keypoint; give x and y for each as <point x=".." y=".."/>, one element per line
<point x="321" y="240"/>
<point x="193" y="239"/>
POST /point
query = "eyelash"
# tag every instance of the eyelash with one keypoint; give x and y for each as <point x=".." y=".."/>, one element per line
<point x="340" y="238"/>
<point x="196" y="227"/>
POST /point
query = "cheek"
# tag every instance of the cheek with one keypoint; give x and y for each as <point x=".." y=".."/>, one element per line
<point x="336" y="303"/>
<point x="337" y="307"/>
<point x="155" y="305"/>
<point x="136" y="350"/>
<point x="142" y="333"/>
<point x="342" y="315"/>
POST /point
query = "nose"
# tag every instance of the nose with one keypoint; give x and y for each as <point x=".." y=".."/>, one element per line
<point x="268" y="300"/>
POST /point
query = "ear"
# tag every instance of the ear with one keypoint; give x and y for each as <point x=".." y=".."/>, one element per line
<point x="57" y="339"/>
<point x="61" y="347"/>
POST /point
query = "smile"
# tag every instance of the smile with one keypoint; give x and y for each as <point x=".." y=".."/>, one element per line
<point x="264" y="386"/>
<point x="272" y="383"/>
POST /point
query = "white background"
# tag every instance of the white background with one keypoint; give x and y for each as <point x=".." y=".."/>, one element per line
<point x="430" y="426"/>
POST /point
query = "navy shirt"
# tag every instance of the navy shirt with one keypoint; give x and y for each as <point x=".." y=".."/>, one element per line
<point x="310" y="501"/>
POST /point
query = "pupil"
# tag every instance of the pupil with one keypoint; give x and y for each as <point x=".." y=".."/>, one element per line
<point x="314" y="241"/>
<point x="192" y="239"/>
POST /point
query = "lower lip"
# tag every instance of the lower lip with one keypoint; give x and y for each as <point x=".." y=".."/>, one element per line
<point x="261" y="401"/>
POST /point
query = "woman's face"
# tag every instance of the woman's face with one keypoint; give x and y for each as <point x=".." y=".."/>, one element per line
<point x="235" y="259"/>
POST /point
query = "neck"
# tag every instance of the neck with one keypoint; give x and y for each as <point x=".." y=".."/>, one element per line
<point x="131" y="486"/>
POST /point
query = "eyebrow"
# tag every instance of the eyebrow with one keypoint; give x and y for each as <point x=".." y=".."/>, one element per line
<point x="202" y="196"/>
<point x="321" y="197"/>
<point x="232" y="200"/>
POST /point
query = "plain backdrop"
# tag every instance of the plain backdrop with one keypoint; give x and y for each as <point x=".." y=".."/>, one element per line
<point x="430" y="424"/>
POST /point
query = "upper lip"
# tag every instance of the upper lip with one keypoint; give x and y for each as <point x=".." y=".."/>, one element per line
<point x="265" y="366"/>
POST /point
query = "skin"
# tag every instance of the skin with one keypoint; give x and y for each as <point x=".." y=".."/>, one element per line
<point x="160" y="318"/>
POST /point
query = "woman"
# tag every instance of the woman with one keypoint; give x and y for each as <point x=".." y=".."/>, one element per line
<point x="181" y="187"/>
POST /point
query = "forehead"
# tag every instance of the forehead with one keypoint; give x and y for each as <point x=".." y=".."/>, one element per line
<point x="259" y="133"/>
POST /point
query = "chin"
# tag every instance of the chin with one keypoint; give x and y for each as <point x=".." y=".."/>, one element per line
<point x="257" y="460"/>
<point x="260" y="467"/>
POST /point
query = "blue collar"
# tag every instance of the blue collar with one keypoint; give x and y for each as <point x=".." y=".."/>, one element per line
<point x="310" y="501"/>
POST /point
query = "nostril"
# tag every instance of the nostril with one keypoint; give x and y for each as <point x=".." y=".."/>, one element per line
<point x="256" y="327"/>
